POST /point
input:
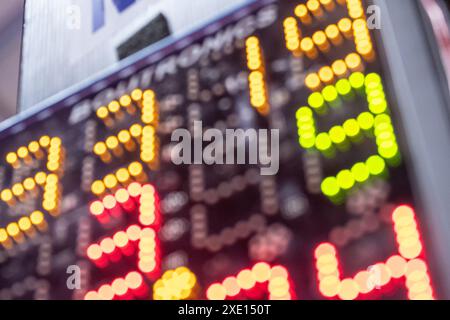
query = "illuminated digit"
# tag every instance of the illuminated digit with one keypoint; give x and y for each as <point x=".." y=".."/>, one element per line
<point x="354" y="28"/>
<point x="408" y="263"/>
<point x="141" y="240"/>
<point x="50" y="151"/>
<point x="252" y="283"/>
<point x="376" y="124"/>
<point x="128" y="140"/>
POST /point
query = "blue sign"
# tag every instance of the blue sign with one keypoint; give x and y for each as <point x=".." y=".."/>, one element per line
<point x="98" y="10"/>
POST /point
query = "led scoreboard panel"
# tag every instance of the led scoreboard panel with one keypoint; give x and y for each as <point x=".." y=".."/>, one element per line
<point x="93" y="207"/>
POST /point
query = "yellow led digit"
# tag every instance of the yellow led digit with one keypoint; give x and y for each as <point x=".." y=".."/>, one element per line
<point x="353" y="28"/>
<point x="32" y="155"/>
<point x="257" y="83"/>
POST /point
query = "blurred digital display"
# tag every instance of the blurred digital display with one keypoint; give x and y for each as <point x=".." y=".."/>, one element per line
<point x="90" y="184"/>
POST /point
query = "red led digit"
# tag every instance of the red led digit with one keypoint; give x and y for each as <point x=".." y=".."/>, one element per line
<point x="408" y="264"/>
<point x="141" y="240"/>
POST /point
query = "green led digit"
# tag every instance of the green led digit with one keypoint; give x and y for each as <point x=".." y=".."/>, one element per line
<point x="375" y="123"/>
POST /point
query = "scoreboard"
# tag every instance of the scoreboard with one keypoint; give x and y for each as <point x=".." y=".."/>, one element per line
<point x="93" y="207"/>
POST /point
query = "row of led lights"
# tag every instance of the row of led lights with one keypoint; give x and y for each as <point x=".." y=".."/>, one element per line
<point x="339" y="69"/>
<point x="113" y="145"/>
<point x="132" y="286"/>
<point x="407" y="264"/>
<point x="18" y="191"/>
<point x="135" y="196"/>
<point x="178" y="284"/>
<point x="122" y="177"/>
<point x="256" y="78"/>
<point x="134" y="239"/>
<point x="251" y="283"/>
<point x="37" y="150"/>
<point x="50" y="185"/>
<point x="139" y="99"/>
<point x="321" y="41"/>
<point x="26" y="227"/>
<point x="316" y="8"/>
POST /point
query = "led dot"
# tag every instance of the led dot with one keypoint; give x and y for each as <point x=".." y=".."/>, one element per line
<point x="337" y="135"/>
<point x="261" y="272"/>
<point x="330" y="187"/>
<point x="125" y="100"/>
<point x="110" y="181"/>
<point x="353" y="61"/>
<point x="13" y="229"/>
<point x="332" y="31"/>
<point x="397" y="266"/>
<point x="94" y="252"/>
<point x="360" y="172"/>
<point x="366" y="121"/>
<point x="351" y="128"/>
<point x="6" y="195"/>
<point x="245" y="279"/>
<point x="326" y="74"/>
<point x="107" y="245"/>
<point x="343" y="87"/>
<point x="3" y="235"/>
<point x="231" y="286"/>
<point x="18" y="190"/>
<point x="216" y="292"/>
<point x="100" y="148"/>
<point x="119" y="287"/>
<point x="114" y="107"/>
<point x="376" y="165"/>
<point x="345" y="25"/>
<point x="330" y="94"/>
<point x="124" y="136"/>
<point x="135" y="169"/>
<point x="349" y="290"/>
<point x="373" y="80"/>
<point x="323" y="142"/>
<point x="37" y="218"/>
<point x="312" y="81"/>
<point x="134" y="280"/>
<point x="97" y="208"/>
<point x="11" y="158"/>
<point x="378" y="106"/>
<point x="357" y="80"/>
<point x="44" y="141"/>
<point x="136" y="130"/>
<point x="25" y="224"/>
<point x="112" y="142"/>
<point x="98" y="187"/>
<point x="345" y="180"/>
<point x="105" y="292"/>
<point x="122" y="195"/>
<point x="102" y="112"/>
<point x="316" y="100"/>
<point x="339" y="68"/>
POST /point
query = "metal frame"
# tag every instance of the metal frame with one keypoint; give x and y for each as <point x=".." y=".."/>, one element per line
<point x="423" y="108"/>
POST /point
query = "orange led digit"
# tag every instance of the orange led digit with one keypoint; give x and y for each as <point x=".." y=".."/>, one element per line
<point x="246" y="284"/>
<point x="407" y="264"/>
